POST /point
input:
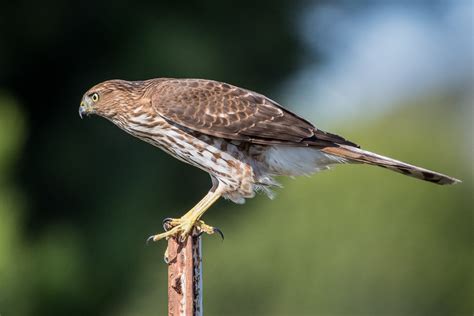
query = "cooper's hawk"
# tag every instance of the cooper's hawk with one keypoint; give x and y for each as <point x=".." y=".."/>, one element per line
<point x="241" y="138"/>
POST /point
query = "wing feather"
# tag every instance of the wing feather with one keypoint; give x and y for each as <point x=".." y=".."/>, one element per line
<point x="222" y="110"/>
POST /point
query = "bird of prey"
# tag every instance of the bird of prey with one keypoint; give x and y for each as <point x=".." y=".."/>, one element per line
<point x="241" y="138"/>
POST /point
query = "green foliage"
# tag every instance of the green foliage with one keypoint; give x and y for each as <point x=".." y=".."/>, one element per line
<point x="11" y="206"/>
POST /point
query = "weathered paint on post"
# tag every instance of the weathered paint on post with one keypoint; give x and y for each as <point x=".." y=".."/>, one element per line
<point x="185" y="277"/>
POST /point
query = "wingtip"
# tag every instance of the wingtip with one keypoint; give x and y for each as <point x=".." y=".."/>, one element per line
<point x="456" y="181"/>
<point x="449" y="181"/>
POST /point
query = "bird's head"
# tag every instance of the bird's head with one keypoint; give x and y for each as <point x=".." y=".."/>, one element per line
<point x="108" y="98"/>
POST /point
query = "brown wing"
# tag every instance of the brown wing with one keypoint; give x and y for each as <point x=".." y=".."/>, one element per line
<point x="222" y="110"/>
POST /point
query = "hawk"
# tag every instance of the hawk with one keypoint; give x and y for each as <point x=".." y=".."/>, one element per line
<point x="241" y="138"/>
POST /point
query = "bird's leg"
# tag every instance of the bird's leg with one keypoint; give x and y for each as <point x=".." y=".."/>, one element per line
<point x="182" y="227"/>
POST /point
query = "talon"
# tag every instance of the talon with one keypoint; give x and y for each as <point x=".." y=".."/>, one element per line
<point x="165" y="257"/>
<point x="151" y="238"/>
<point x="217" y="230"/>
<point x="181" y="228"/>
<point x="204" y="228"/>
<point x="166" y="223"/>
<point x="182" y="237"/>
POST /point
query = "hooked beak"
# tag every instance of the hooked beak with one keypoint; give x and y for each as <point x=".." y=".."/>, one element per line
<point x="84" y="109"/>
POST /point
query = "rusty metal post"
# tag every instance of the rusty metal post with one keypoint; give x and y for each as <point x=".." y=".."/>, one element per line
<point x="185" y="277"/>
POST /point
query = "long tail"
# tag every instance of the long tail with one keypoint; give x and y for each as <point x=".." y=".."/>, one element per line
<point x="355" y="154"/>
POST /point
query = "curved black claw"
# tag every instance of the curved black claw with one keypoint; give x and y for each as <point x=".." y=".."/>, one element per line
<point x="200" y="234"/>
<point x="217" y="230"/>
<point x="150" y="239"/>
<point x="182" y="239"/>
<point x="165" y="223"/>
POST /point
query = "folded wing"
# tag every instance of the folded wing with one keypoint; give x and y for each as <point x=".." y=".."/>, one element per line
<point x="222" y="110"/>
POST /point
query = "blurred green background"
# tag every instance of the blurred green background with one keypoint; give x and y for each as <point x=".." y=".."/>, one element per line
<point x="78" y="198"/>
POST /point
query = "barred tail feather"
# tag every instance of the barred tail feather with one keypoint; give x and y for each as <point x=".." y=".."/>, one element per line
<point x="355" y="154"/>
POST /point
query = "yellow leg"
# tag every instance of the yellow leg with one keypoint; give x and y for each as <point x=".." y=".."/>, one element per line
<point x="183" y="226"/>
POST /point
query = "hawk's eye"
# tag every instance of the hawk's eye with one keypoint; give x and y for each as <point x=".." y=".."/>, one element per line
<point x="95" y="97"/>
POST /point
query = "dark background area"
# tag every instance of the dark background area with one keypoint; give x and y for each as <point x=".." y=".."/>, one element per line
<point x="78" y="198"/>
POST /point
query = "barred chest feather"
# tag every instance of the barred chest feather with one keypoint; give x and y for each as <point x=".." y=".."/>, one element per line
<point x="244" y="168"/>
